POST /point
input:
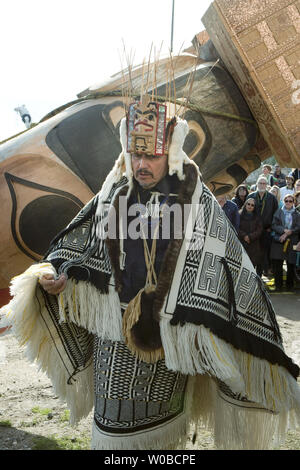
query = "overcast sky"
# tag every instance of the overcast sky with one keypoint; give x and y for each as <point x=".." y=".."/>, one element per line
<point x="52" y="50"/>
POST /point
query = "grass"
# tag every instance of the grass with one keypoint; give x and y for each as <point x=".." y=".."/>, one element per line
<point x="41" y="411"/>
<point x="65" y="417"/>
<point x="54" y="442"/>
<point x="6" y="423"/>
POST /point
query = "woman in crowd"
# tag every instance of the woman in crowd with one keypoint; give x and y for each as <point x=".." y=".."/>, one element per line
<point x="276" y="191"/>
<point x="286" y="228"/>
<point x="297" y="186"/>
<point x="250" y="230"/>
<point x="240" y="195"/>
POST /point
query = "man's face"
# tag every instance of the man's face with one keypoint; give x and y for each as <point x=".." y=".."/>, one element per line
<point x="261" y="186"/>
<point x="297" y="187"/>
<point x="277" y="169"/>
<point x="289" y="182"/>
<point x="149" y="170"/>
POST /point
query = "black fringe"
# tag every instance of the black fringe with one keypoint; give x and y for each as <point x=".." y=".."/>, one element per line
<point x="238" y="338"/>
<point x="272" y="315"/>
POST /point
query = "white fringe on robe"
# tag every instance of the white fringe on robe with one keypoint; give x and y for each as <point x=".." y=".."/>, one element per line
<point x="98" y="313"/>
<point x="273" y="399"/>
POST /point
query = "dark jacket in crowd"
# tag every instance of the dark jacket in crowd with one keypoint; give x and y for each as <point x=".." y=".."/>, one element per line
<point x="277" y="248"/>
<point x="295" y="174"/>
<point x="278" y="180"/>
<point x="238" y="201"/>
<point x="232" y="212"/>
<point x="266" y="207"/>
<point x="251" y="225"/>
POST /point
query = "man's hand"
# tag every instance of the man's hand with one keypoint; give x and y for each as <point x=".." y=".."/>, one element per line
<point x="283" y="237"/>
<point x="53" y="286"/>
<point x="247" y="239"/>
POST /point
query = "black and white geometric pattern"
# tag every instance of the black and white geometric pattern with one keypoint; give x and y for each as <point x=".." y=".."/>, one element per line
<point x="131" y="394"/>
<point x="204" y="284"/>
<point x="79" y="245"/>
<point x="77" y="343"/>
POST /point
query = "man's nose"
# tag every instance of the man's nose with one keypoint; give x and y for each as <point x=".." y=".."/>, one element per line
<point x="143" y="163"/>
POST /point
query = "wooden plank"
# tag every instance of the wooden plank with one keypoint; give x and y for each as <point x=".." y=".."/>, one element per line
<point x="259" y="42"/>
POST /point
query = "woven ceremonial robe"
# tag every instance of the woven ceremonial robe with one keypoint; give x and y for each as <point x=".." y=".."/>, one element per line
<point x="137" y="405"/>
<point x="222" y="345"/>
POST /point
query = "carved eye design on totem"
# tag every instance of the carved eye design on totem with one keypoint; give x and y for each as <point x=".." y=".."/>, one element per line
<point x="38" y="213"/>
<point x="198" y="140"/>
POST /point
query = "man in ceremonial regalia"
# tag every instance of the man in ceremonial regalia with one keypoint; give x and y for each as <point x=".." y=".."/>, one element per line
<point x="148" y="308"/>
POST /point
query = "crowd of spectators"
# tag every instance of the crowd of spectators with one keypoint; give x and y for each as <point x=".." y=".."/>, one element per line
<point x="266" y="217"/>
